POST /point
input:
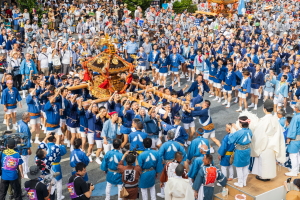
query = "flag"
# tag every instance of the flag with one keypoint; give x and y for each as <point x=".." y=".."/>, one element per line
<point x="241" y="8"/>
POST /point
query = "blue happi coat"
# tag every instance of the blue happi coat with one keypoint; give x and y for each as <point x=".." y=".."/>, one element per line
<point x="147" y="160"/>
<point x="180" y="133"/>
<point x="110" y="162"/>
<point x="241" y="137"/>
<point x="168" y="149"/>
<point x="34" y="106"/>
<point x="10" y="97"/>
<point x="24" y="128"/>
<point x="194" y="148"/>
<point x="293" y="132"/>
<point x="225" y="150"/>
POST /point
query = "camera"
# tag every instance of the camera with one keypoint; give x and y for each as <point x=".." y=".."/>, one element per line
<point x="20" y="138"/>
<point x="134" y="152"/>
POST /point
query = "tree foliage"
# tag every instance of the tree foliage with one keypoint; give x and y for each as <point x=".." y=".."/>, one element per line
<point x="132" y="4"/>
<point x="31" y="5"/>
<point x="180" y="6"/>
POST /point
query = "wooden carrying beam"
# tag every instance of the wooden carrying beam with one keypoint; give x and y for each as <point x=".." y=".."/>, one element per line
<point x="144" y="104"/>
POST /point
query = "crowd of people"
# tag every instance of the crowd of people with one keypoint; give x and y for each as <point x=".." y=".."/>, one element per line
<point x="227" y="59"/>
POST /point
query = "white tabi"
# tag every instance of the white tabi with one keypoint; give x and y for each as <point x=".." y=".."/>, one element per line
<point x="268" y="146"/>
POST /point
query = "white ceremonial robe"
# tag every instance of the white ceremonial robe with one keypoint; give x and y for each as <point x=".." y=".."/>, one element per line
<point x="268" y="146"/>
<point x="178" y="188"/>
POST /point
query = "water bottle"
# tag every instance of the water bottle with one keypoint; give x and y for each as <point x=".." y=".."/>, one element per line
<point x="224" y="192"/>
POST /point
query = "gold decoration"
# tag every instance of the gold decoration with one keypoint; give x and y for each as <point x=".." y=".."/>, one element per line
<point x="115" y="61"/>
<point x="108" y="64"/>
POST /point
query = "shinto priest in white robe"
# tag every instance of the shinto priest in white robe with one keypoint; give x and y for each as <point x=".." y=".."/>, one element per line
<point x="267" y="146"/>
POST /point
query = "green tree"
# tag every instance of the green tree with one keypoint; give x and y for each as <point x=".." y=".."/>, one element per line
<point x="183" y="5"/>
<point x="132" y="4"/>
<point x="31" y="5"/>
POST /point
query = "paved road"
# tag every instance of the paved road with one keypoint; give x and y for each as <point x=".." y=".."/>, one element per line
<point x="220" y="116"/>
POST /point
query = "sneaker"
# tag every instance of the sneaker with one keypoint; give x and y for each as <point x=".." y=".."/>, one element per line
<point x="98" y="161"/>
<point x="188" y="79"/>
<point x="228" y="105"/>
<point x="90" y="158"/>
<point x="15" y="127"/>
<point x="291" y="174"/>
<point x="239" y="110"/>
<point x="161" y="195"/>
<point x="31" y="141"/>
<point x="93" y="154"/>
<point x="224" y="103"/>
<point x="219" y="101"/>
<point x="68" y="143"/>
<point x="237" y="184"/>
<point x="101" y="155"/>
<point x="7" y="128"/>
<point x="216" y="99"/>
<point x="235" y="101"/>
<point x="65" y="141"/>
<point x="62" y="197"/>
<point x="182" y="76"/>
<point x="4" y="121"/>
<point x="26" y="176"/>
<point x="186" y="74"/>
<point x="251" y="106"/>
<point x="211" y="95"/>
<point x="255" y="108"/>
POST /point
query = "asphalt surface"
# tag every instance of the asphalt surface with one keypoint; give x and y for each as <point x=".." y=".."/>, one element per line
<point x="220" y="115"/>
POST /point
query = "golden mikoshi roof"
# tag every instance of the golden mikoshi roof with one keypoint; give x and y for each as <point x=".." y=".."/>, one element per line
<point x="108" y="59"/>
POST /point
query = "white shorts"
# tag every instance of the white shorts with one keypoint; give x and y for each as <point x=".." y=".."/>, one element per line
<point x="255" y="92"/>
<point x="143" y="68"/>
<point x="189" y="69"/>
<point x="155" y="142"/>
<point x="189" y="125"/>
<point x="205" y="76"/>
<point x="43" y="114"/>
<point x="210" y="134"/>
<point x="74" y="130"/>
<point x="279" y="100"/>
<point x="10" y="111"/>
<point x="198" y="71"/>
<point x="227" y="91"/>
<point x="237" y="87"/>
<point x="99" y="144"/>
<point x="217" y="85"/>
<point x="157" y="70"/>
<point x="56" y="131"/>
<point x="62" y="122"/>
<point x="211" y="82"/>
<point x="163" y="74"/>
<point x="35" y="121"/>
<point x="82" y="134"/>
<point x="268" y="94"/>
<point x="90" y="138"/>
<point x="175" y="73"/>
<point x="242" y="95"/>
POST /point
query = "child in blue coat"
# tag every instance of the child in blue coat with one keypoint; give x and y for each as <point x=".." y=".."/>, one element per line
<point x="225" y="152"/>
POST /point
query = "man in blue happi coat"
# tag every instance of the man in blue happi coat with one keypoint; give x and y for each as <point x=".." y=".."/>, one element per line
<point x="110" y="167"/>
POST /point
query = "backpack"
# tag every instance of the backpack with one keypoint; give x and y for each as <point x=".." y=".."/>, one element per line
<point x="210" y="174"/>
<point x="71" y="189"/>
<point x="31" y="193"/>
